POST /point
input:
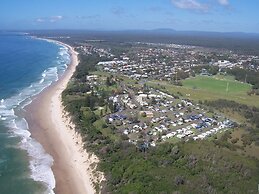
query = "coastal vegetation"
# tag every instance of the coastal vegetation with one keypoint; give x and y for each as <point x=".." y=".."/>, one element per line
<point x="251" y="115"/>
<point x="208" y="166"/>
<point x="247" y="76"/>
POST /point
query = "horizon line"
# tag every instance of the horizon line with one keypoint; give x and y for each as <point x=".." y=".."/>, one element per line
<point x="128" y="30"/>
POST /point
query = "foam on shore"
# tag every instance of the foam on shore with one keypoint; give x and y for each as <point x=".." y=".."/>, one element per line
<point x="40" y="161"/>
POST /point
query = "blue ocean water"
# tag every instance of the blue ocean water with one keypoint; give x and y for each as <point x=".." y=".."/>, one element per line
<point x="27" y="66"/>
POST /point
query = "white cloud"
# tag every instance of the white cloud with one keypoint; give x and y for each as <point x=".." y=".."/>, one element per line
<point x="55" y="18"/>
<point x="51" y="19"/>
<point x="223" y="2"/>
<point x="40" y="20"/>
<point x="190" y="5"/>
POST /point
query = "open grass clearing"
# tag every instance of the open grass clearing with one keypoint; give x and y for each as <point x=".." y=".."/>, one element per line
<point x="210" y="88"/>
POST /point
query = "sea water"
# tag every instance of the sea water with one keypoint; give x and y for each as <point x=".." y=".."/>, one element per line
<point x="27" y="66"/>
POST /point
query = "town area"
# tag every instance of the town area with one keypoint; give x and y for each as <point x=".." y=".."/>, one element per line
<point x="147" y="115"/>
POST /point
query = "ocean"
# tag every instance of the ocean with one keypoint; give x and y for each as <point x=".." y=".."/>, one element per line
<point x="27" y="66"/>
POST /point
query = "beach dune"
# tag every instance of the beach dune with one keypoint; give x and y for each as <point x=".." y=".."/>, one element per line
<point x="50" y="125"/>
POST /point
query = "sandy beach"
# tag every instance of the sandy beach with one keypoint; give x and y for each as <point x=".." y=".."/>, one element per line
<point x="50" y="125"/>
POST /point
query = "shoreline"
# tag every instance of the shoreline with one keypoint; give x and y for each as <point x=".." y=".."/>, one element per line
<point x="50" y="125"/>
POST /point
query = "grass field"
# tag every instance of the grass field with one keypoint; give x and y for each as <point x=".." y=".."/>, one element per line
<point x="212" y="88"/>
<point x="107" y="132"/>
<point x="224" y="85"/>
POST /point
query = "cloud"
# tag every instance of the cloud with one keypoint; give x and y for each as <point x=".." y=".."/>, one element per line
<point x="88" y="17"/>
<point x="40" y="20"/>
<point x="55" y="18"/>
<point x="51" y="19"/>
<point x="190" y="5"/>
<point x="223" y="2"/>
<point x="119" y="11"/>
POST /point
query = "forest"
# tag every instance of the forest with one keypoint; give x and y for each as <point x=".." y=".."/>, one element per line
<point x="248" y="76"/>
<point x="244" y="43"/>
<point x="250" y="113"/>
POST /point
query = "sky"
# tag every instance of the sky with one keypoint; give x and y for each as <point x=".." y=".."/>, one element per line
<point x="197" y="15"/>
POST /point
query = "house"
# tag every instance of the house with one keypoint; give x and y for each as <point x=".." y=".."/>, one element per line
<point x="205" y="72"/>
<point x="149" y="114"/>
<point x="92" y="77"/>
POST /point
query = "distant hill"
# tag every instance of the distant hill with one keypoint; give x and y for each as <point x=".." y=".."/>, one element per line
<point x="236" y="41"/>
